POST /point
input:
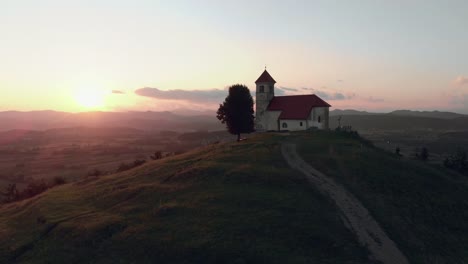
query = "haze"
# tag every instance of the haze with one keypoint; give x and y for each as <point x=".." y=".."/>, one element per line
<point x="165" y="55"/>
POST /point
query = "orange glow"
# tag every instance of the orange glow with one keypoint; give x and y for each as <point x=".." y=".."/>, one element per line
<point x="90" y="98"/>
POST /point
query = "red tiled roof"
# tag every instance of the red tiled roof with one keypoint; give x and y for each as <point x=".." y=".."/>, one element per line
<point x="265" y="78"/>
<point x="296" y="106"/>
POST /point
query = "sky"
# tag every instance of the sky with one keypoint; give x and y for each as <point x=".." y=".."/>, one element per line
<point x="138" y="55"/>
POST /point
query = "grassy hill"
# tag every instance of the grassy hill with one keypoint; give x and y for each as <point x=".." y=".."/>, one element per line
<point x="231" y="203"/>
<point x="241" y="203"/>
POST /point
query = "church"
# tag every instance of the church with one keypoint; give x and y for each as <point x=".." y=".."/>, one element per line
<point x="294" y="112"/>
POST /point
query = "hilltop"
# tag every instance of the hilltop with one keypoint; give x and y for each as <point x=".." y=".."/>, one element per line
<point x="242" y="203"/>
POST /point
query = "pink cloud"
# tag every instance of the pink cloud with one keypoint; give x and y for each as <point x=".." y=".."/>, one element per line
<point x="460" y="81"/>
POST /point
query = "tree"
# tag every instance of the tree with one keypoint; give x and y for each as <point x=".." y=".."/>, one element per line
<point x="397" y="151"/>
<point x="424" y="154"/>
<point x="157" y="155"/>
<point x="237" y="111"/>
<point x="11" y="193"/>
<point x="457" y="161"/>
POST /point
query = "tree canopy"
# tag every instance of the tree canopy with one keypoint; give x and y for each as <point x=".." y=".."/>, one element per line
<point x="237" y="110"/>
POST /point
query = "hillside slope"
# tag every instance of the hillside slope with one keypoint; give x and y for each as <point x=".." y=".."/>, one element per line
<point x="423" y="208"/>
<point x="241" y="203"/>
<point x="228" y="203"/>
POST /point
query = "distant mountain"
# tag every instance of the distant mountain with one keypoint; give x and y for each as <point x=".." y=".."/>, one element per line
<point x="338" y="112"/>
<point x="398" y="122"/>
<point x="432" y="114"/>
<point x="44" y="120"/>
<point x="429" y="114"/>
<point x="206" y="121"/>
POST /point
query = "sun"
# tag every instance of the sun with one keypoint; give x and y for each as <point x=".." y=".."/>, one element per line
<point x="90" y="98"/>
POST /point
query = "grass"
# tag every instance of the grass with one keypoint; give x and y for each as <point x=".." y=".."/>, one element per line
<point x="423" y="207"/>
<point x="225" y="203"/>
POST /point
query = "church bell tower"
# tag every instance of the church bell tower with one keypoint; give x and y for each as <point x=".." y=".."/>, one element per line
<point x="263" y="95"/>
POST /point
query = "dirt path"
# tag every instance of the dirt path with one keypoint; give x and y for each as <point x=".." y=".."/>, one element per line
<point x="354" y="214"/>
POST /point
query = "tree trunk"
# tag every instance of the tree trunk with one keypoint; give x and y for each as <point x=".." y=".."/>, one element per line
<point x="238" y="137"/>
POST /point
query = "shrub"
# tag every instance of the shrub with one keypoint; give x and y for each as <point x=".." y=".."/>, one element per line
<point x="424" y="155"/>
<point x="457" y="161"/>
<point x="421" y="153"/>
<point x="58" y="180"/>
<point x="34" y="188"/>
<point x="125" y="166"/>
<point x="10" y="194"/>
<point x="348" y="131"/>
<point x="95" y="173"/>
<point x="397" y="151"/>
<point x="157" y="155"/>
<point x="137" y="163"/>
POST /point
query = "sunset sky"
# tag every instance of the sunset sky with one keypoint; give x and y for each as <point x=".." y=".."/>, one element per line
<point x="100" y="54"/>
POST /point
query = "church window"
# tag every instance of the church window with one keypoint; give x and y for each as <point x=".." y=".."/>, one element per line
<point x="262" y="88"/>
<point x="319" y="119"/>
<point x="300" y="123"/>
<point x="271" y="88"/>
<point x="285" y="125"/>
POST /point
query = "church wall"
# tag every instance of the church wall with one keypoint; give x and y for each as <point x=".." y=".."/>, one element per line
<point x="315" y="113"/>
<point x="293" y="125"/>
<point x="272" y="120"/>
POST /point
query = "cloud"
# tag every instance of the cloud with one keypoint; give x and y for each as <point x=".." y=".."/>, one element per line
<point x="460" y="81"/>
<point x="117" y="92"/>
<point x="322" y="93"/>
<point x="194" y="96"/>
<point x="330" y="96"/>
<point x="333" y="95"/>
<point x="288" y="89"/>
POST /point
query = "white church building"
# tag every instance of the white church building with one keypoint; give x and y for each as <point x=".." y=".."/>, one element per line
<point x="294" y="112"/>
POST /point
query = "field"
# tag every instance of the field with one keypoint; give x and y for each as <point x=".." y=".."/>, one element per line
<point x="441" y="133"/>
<point x="72" y="153"/>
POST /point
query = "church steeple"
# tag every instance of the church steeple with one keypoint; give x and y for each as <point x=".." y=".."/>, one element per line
<point x="265" y="78"/>
<point x="263" y="95"/>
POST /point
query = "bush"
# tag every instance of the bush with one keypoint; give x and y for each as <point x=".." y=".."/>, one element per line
<point x="457" y="161"/>
<point x="125" y="166"/>
<point x="421" y="154"/>
<point x="157" y="155"/>
<point x="424" y="155"/>
<point x="34" y="188"/>
<point x="348" y="131"/>
<point x="95" y="173"/>
<point x="137" y="163"/>
<point x="10" y="194"/>
<point x="58" y="180"/>
<point x="397" y="151"/>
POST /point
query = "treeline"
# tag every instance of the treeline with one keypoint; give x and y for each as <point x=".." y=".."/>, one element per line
<point x="457" y="162"/>
<point x="35" y="187"/>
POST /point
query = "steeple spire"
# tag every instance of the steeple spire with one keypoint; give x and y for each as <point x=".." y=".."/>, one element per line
<point x="265" y="78"/>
